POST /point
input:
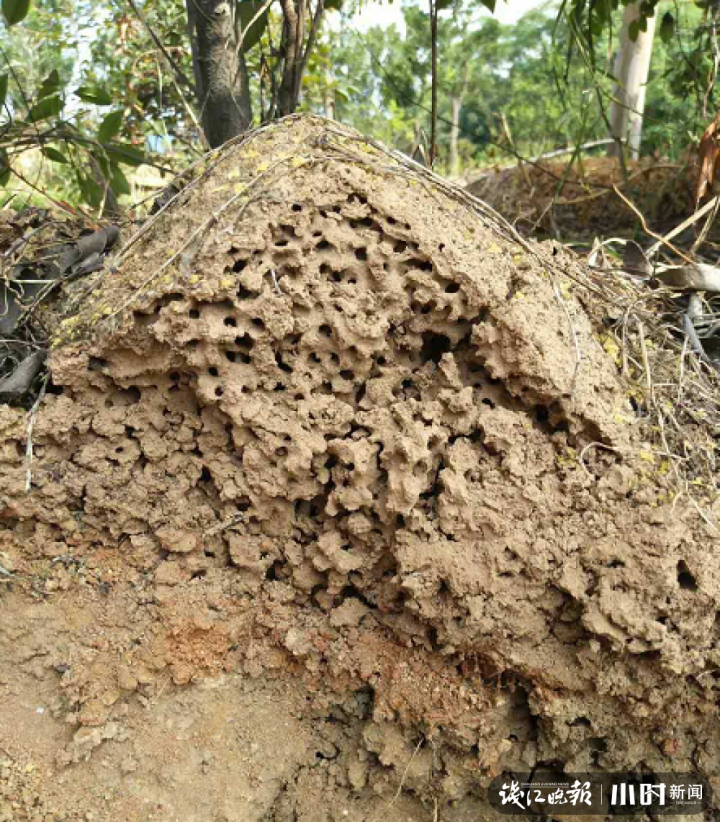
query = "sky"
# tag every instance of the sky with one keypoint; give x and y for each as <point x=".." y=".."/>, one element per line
<point x="384" y="13"/>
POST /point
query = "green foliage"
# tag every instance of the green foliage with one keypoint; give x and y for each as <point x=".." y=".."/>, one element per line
<point x="47" y="130"/>
<point x="110" y="126"/>
<point x="87" y="94"/>
<point x="96" y="96"/>
<point x="15" y="11"/>
<point x="247" y="11"/>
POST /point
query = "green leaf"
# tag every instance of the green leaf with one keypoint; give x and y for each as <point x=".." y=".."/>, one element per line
<point x="596" y="25"/>
<point x="118" y="181"/>
<point x="15" y="10"/>
<point x="247" y="9"/>
<point x="50" y="85"/>
<point x="123" y="153"/>
<point x="667" y="27"/>
<point x="110" y="126"/>
<point x="490" y="5"/>
<point x="647" y="9"/>
<point x="634" y="30"/>
<point x="3" y="89"/>
<point x="94" y="95"/>
<point x="54" y="155"/>
<point x="335" y="5"/>
<point x="48" y="107"/>
<point x="92" y="193"/>
<point x="4" y="168"/>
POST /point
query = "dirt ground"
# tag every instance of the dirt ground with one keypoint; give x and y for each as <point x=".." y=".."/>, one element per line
<point x="338" y="509"/>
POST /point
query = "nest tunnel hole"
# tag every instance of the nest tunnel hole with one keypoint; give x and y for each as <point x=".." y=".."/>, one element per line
<point x="350" y="591"/>
<point x="434" y="346"/>
<point x="276" y="572"/>
<point x="166" y="299"/>
<point x="420" y="264"/>
<point x="365" y="222"/>
<point x="686" y="580"/>
<point x="237" y="356"/>
<point x="281" y="364"/>
<point x="98" y="364"/>
<point x="245" y="343"/>
<point x="54" y="388"/>
<point x="127" y="396"/>
<point x="581" y="722"/>
<point x="245" y="293"/>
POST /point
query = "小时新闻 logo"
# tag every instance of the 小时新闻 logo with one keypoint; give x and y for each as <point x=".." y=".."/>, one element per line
<point x="599" y="793"/>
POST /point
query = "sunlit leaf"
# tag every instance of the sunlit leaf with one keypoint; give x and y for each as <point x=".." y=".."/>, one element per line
<point x="247" y="9"/>
<point x="54" y="155"/>
<point x="15" y="10"/>
<point x="92" y="94"/>
<point x="110" y="126"/>
<point x="4" y="168"/>
<point x="92" y="193"/>
<point x="118" y="181"/>
<point x="125" y="154"/>
<point x="667" y="27"/>
<point x="48" y="107"/>
<point x="50" y="85"/>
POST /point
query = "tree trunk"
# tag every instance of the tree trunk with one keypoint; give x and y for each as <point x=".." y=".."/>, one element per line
<point x="221" y="76"/>
<point x="632" y="66"/>
<point x="434" y="92"/>
<point x="454" y="135"/>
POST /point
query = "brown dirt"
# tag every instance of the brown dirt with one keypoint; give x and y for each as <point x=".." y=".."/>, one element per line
<point x="308" y="536"/>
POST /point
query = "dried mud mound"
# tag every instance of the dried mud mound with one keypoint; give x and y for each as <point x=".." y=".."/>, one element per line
<point x="326" y="424"/>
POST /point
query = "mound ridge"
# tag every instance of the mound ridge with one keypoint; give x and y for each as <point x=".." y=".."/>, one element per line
<point x="319" y="388"/>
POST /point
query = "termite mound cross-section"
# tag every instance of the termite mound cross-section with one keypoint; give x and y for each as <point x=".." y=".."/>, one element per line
<point x="327" y="406"/>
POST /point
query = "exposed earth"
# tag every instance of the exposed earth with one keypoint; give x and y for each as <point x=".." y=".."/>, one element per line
<point x="338" y="508"/>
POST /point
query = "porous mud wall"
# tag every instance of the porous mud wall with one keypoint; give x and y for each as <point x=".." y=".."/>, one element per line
<point x="322" y="407"/>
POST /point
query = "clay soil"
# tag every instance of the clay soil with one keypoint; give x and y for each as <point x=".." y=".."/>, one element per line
<point x="338" y="508"/>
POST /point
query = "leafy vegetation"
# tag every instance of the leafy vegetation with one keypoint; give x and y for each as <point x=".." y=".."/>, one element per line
<point x="93" y="89"/>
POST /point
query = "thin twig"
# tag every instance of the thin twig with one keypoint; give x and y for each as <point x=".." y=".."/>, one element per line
<point x="30" y="426"/>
